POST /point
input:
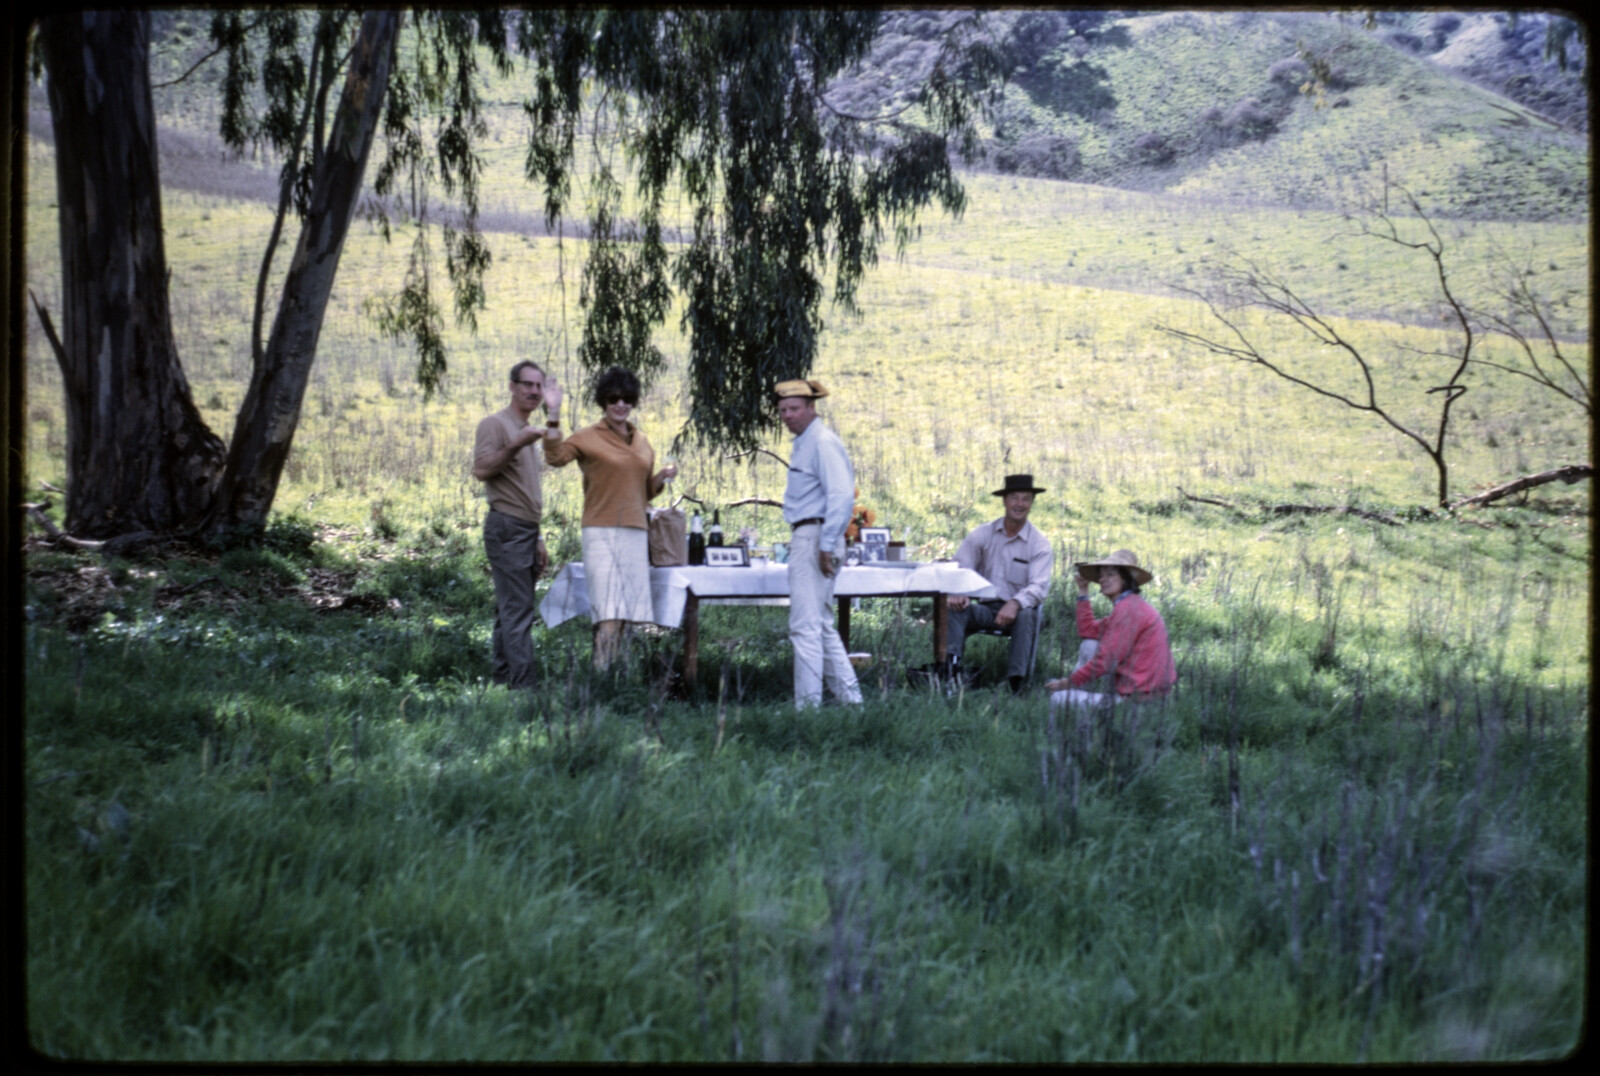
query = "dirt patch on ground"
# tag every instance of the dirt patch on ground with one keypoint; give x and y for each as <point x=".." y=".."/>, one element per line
<point x="76" y="595"/>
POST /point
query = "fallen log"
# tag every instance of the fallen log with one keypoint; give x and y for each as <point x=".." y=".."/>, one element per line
<point x="118" y="546"/>
<point x="1568" y="474"/>
<point x="1300" y="509"/>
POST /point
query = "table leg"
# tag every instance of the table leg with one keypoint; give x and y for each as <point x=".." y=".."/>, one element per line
<point x="691" y="639"/>
<point x="844" y="622"/>
<point x="941" y="627"/>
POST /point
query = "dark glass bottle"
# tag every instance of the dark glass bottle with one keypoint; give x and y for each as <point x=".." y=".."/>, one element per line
<point x="697" y="540"/>
<point x="714" y="535"/>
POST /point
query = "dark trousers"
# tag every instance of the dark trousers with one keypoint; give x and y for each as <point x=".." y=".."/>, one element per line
<point x="512" y="546"/>
<point x="979" y="616"/>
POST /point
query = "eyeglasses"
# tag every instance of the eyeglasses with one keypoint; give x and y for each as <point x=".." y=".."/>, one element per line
<point x="529" y="384"/>
<point x="613" y="398"/>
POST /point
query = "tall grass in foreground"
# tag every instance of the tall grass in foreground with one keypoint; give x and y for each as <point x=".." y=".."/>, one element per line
<point x="264" y="832"/>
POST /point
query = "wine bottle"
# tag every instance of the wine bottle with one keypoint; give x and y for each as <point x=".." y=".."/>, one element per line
<point x="714" y="535"/>
<point x="697" y="540"/>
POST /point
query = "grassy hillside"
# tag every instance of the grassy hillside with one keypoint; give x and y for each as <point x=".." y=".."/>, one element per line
<point x="1210" y="103"/>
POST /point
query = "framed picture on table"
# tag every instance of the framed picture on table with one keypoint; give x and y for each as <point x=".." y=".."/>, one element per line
<point x="874" y="545"/>
<point x="727" y="556"/>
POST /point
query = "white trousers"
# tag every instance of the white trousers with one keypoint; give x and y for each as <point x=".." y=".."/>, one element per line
<point x="819" y="653"/>
<point x="1076" y="697"/>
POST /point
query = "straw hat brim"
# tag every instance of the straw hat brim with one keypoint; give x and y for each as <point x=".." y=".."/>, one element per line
<point x="1091" y="568"/>
<point x="801" y="387"/>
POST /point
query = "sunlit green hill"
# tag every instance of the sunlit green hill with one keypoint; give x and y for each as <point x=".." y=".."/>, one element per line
<point x="1226" y="104"/>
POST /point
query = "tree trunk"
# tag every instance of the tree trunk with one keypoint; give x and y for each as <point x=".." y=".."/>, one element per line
<point x="139" y="456"/>
<point x="271" y="410"/>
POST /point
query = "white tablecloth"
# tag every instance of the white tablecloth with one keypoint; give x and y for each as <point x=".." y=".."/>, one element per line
<point x="760" y="584"/>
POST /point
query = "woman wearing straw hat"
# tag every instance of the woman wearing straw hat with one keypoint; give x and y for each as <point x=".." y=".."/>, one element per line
<point x="617" y="464"/>
<point x="1132" y="640"/>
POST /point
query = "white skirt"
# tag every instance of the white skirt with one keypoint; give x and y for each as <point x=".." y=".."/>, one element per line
<point x="616" y="568"/>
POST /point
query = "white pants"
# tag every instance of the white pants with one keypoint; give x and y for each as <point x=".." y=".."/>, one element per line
<point x="818" y="651"/>
<point x="1076" y="697"/>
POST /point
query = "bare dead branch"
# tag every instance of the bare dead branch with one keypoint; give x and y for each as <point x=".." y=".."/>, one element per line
<point x="1250" y="285"/>
<point x="763" y="451"/>
<point x="1569" y="474"/>
<point x="1521" y="299"/>
<point x="756" y="500"/>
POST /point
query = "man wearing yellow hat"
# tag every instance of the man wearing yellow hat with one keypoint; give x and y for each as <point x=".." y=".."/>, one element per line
<point x="816" y="504"/>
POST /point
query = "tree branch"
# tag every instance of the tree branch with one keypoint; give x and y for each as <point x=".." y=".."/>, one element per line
<point x="202" y="60"/>
<point x="763" y="451"/>
<point x="286" y="183"/>
<point x="1249" y="284"/>
<point x="1568" y="474"/>
<point x="49" y="330"/>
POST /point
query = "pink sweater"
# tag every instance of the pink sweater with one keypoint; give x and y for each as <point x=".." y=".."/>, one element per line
<point x="1133" y="644"/>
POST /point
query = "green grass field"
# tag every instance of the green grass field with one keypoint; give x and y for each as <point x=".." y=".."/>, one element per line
<point x="275" y="811"/>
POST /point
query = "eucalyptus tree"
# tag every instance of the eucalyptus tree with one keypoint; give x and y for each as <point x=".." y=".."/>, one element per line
<point x="783" y="185"/>
<point x="728" y="107"/>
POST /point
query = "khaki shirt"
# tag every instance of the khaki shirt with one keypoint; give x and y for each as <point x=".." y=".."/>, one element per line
<point x="1018" y="567"/>
<point x="516" y="489"/>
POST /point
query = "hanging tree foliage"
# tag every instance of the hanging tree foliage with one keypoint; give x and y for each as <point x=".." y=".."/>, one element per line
<point x="727" y="108"/>
<point x="732" y="107"/>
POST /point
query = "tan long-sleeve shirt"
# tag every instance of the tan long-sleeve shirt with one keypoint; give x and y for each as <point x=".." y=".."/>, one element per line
<point x="1019" y="567"/>
<point x="618" y="476"/>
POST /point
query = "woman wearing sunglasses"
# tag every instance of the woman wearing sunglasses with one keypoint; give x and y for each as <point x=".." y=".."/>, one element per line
<point x="619" y="481"/>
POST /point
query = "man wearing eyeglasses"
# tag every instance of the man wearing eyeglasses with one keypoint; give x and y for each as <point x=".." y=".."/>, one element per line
<point x="505" y="460"/>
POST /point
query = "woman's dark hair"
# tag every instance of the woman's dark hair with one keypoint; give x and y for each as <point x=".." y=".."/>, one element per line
<point x="617" y="381"/>
<point x="1129" y="583"/>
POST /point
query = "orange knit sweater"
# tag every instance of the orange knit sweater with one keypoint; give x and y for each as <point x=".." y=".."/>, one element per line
<point x="618" y="476"/>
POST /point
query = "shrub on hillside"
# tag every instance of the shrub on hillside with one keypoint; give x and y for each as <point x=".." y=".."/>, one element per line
<point x="1289" y="72"/>
<point x="1152" y="148"/>
<point x="1210" y="134"/>
<point x="1248" y="119"/>
<point x="1046" y="156"/>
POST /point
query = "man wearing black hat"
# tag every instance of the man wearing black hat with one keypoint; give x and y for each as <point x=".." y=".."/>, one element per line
<point x="1012" y="555"/>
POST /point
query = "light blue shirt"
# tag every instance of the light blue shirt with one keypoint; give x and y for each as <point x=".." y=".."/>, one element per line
<point x="821" y="483"/>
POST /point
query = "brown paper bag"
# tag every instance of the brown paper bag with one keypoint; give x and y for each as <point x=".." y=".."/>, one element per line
<point x="669" y="537"/>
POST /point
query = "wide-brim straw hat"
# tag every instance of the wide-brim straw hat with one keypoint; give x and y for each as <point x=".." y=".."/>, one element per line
<point x="1018" y="483"/>
<point x="1122" y="558"/>
<point x="809" y="389"/>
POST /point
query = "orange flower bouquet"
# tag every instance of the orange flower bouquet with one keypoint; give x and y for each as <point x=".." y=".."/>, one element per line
<point x="859" y="517"/>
